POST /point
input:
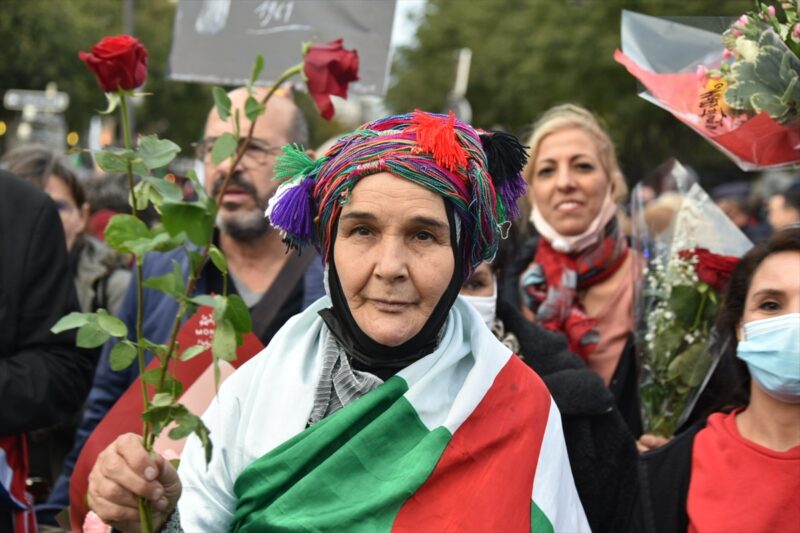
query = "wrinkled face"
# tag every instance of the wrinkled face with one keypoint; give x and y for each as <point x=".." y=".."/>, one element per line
<point x="73" y="216"/>
<point x="780" y="214"/>
<point x="775" y="288"/>
<point x="393" y="256"/>
<point x="568" y="185"/>
<point x="480" y="283"/>
<point x="241" y="212"/>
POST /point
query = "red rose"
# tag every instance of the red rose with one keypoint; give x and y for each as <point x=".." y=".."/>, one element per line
<point x="329" y="68"/>
<point x="119" y="63"/>
<point x="711" y="268"/>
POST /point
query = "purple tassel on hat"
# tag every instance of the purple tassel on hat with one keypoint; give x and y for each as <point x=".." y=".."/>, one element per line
<point x="510" y="190"/>
<point x="293" y="213"/>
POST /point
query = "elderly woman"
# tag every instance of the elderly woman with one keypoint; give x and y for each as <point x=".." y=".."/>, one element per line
<point x="739" y="470"/>
<point x="388" y="405"/>
<point x="576" y="276"/>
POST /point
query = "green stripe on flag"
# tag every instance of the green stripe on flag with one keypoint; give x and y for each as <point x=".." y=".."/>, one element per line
<point x="539" y="521"/>
<point x="352" y="471"/>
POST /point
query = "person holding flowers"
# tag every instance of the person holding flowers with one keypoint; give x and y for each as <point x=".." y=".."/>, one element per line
<point x="739" y="470"/>
<point x="575" y="276"/>
<point x="387" y="404"/>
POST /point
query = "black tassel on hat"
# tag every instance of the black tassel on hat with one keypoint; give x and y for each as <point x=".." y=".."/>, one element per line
<point x="506" y="157"/>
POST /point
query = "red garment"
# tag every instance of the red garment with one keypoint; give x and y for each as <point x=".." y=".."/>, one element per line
<point x="737" y="485"/>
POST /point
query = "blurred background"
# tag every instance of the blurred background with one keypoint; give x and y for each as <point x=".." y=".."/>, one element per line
<point x="517" y="57"/>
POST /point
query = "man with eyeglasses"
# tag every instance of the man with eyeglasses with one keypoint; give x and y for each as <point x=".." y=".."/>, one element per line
<point x="274" y="285"/>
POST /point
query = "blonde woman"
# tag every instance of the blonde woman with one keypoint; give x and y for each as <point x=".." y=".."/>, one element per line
<point x="575" y="275"/>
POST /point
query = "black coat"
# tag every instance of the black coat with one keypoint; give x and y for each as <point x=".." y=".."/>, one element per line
<point x="602" y="451"/>
<point x="664" y="477"/>
<point x="44" y="378"/>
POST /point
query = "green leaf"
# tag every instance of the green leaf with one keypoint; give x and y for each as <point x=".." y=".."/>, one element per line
<point x="222" y="102"/>
<point x="160" y="416"/>
<point x="112" y="325"/>
<point x="111" y="162"/>
<point x="155" y="152"/>
<point x="170" y="283"/>
<point x="205" y="299"/>
<point x="203" y="434"/>
<point x="166" y="189"/>
<point x="193" y="219"/>
<point x="258" y="66"/>
<point x="224" y="147"/>
<point x="696" y="361"/>
<point x="684" y="301"/>
<point x="253" y="109"/>
<point x="186" y="425"/>
<point x="223" y="345"/>
<point x="151" y="376"/>
<point x="91" y="335"/>
<point x="193" y="351"/>
<point x="71" y="321"/>
<point x="162" y="399"/>
<point x="769" y="103"/>
<point x="218" y="258"/>
<point x="128" y="234"/>
<point x="238" y="313"/>
<point x="122" y="355"/>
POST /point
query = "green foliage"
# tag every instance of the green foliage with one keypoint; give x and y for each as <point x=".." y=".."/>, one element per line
<point x="768" y="83"/>
<point x="170" y="283"/>
<point x="194" y="219"/>
<point x="222" y="102"/>
<point x="157" y="153"/>
<point x="253" y="108"/>
<point x="224" y="147"/>
<point x="122" y="355"/>
<point x="529" y="56"/>
<point x="258" y="66"/>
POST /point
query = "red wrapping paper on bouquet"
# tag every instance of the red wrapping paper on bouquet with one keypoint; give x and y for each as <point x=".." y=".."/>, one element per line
<point x="196" y="376"/>
<point x="759" y="142"/>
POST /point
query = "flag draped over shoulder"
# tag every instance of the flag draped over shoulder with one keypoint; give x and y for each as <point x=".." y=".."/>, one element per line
<point x="465" y="439"/>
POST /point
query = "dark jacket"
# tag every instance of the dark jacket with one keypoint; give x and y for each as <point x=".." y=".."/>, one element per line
<point x="624" y="383"/>
<point x="43" y="377"/>
<point x="602" y="452"/>
<point x="664" y="476"/>
<point x="158" y="315"/>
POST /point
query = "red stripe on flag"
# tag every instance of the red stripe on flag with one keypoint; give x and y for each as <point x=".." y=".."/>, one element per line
<point x="484" y="479"/>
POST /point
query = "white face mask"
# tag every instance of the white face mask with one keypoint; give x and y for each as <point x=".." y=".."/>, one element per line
<point x="485" y="305"/>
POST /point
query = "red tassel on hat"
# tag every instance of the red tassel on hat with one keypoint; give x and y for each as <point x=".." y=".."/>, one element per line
<point x="436" y="135"/>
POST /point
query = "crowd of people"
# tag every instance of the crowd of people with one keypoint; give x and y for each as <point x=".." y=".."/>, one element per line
<point x="456" y="351"/>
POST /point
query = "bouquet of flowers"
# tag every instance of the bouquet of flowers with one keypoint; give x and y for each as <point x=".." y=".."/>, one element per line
<point x="738" y="89"/>
<point x="686" y="266"/>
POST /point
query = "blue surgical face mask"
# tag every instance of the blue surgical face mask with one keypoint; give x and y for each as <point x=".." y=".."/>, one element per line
<point x="771" y="349"/>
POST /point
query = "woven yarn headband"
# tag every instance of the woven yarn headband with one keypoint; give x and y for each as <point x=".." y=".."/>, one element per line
<point x="477" y="173"/>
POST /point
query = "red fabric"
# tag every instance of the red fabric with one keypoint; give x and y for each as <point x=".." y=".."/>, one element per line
<point x="737" y="485"/>
<point x="119" y="63"/>
<point x="125" y="415"/>
<point x="759" y="142"/>
<point x="329" y="69"/>
<point x="98" y="222"/>
<point x="465" y="491"/>
<point x="554" y="305"/>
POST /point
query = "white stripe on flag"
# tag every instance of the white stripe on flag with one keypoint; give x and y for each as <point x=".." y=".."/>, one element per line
<point x="553" y="486"/>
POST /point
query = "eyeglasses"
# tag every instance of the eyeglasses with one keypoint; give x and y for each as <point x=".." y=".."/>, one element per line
<point x="258" y="151"/>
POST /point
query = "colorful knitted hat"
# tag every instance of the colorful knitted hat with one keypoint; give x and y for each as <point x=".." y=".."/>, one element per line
<point x="477" y="173"/>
